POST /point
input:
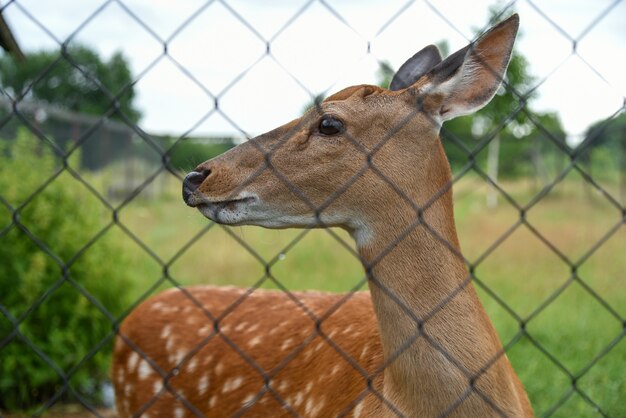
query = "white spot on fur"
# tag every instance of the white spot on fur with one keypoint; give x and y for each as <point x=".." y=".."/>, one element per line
<point x="144" y="369"/>
<point x="298" y="399"/>
<point x="167" y="330"/>
<point x="168" y="310"/>
<point x="232" y="384"/>
<point x="179" y="413"/>
<point x="364" y="351"/>
<point x="169" y="344"/>
<point x="132" y="361"/>
<point x="180" y="354"/>
<point x="335" y="369"/>
<point x="241" y="326"/>
<point x="282" y="386"/>
<point x="203" y="384"/>
<point x="286" y="344"/>
<point x="347" y="330"/>
<point x="253" y="328"/>
<point x="157" y="306"/>
<point x="193" y="363"/>
<point x="247" y="402"/>
<point x="308" y="388"/>
<point x="127" y="389"/>
<point x="204" y="331"/>
<point x="313" y="408"/>
<point x="157" y="386"/>
<point x="358" y="409"/>
<point x="213" y="401"/>
<point x="255" y="341"/>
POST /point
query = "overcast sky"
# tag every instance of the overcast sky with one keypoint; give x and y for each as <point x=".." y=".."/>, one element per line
<point x="322" y="51"/>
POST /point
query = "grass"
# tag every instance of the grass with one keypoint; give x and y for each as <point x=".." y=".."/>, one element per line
<point x="571" y="314"/>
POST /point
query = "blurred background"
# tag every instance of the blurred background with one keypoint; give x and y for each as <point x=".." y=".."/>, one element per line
<point x="104" y="105"/>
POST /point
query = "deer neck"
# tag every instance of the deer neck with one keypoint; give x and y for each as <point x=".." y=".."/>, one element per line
<point x="414" y="273"/>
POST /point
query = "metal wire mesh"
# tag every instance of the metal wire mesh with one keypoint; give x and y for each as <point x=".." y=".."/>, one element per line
<point x="20" y="113"/>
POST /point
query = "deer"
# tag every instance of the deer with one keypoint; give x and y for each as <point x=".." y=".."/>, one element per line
<point x="419" y="344"/>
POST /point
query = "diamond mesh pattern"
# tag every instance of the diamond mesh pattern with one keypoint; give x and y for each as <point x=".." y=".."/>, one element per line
<point x="21" y="112"/>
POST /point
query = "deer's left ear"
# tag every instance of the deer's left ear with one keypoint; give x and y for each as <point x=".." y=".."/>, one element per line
<point x="468" y="79"/>
<point x="415" y="67"/>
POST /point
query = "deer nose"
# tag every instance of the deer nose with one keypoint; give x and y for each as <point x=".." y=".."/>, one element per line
<point x="192" y="181"/>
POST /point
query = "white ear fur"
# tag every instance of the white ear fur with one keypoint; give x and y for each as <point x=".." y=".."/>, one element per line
<point x="468" y="79"/>
<point x="454" y="90"/>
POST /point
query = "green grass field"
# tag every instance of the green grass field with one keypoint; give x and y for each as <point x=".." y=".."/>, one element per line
<point x="574" y="337"/>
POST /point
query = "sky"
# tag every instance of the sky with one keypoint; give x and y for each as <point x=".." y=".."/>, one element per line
<point x="223" y="52"/>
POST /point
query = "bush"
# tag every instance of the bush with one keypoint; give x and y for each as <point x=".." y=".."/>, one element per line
<point x="66" y="326"/>
<point x="186" y="155"/>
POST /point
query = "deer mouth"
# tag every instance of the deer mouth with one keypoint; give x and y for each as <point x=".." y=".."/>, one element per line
<point x="227" y="211"/>
<point x="195" y="201"/>
<point x="224" y="204"/>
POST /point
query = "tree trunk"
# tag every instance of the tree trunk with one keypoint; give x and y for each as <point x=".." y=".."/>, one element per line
<point x="541" y="175"/>
<point x="622" y="169"/>
<point x="493" y="159"/>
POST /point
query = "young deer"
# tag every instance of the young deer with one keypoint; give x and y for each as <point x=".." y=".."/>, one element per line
<point x="368" y="160"/>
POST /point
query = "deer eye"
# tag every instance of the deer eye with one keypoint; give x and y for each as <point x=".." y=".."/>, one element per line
<point x="330" y="126"/>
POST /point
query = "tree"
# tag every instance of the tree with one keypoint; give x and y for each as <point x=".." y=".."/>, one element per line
<point x="491" y="120"/>
<point x="315" y="101"/>
<point x="65" y="325"/>
<point x="608" y="136"/>
<point x="385" y="74"/>
<point x="515" y="137"/>
<point x="78" y="81"/>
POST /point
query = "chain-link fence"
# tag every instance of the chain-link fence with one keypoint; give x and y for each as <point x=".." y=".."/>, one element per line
<point x="92" y="225"/>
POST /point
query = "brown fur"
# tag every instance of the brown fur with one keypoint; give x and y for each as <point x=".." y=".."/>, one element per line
<point x="290" y="352"/>
<point x="420" y="345"/>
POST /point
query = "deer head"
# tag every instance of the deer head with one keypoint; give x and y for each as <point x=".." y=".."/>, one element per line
<point x="343" y="162"/>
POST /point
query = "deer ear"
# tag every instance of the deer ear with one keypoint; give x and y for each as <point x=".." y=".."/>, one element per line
<point x="468" y="79"/>
<point x="415" y="67"/>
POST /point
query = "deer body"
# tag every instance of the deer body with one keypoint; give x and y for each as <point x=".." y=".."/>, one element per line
<point x="368" y="160"/>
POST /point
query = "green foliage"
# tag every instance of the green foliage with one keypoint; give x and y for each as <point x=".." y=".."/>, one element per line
<point x="75" y="79"/>
<point x="467" y="131"/>
<point x="66" y="326"/>
<point x="385" y="74"/>
<point x="315" y="101"/>
<point x="609" y="134"/>
<point x="523" y="144"/>
<point x="185" y="155"/>
<point x="522" y="147"/>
